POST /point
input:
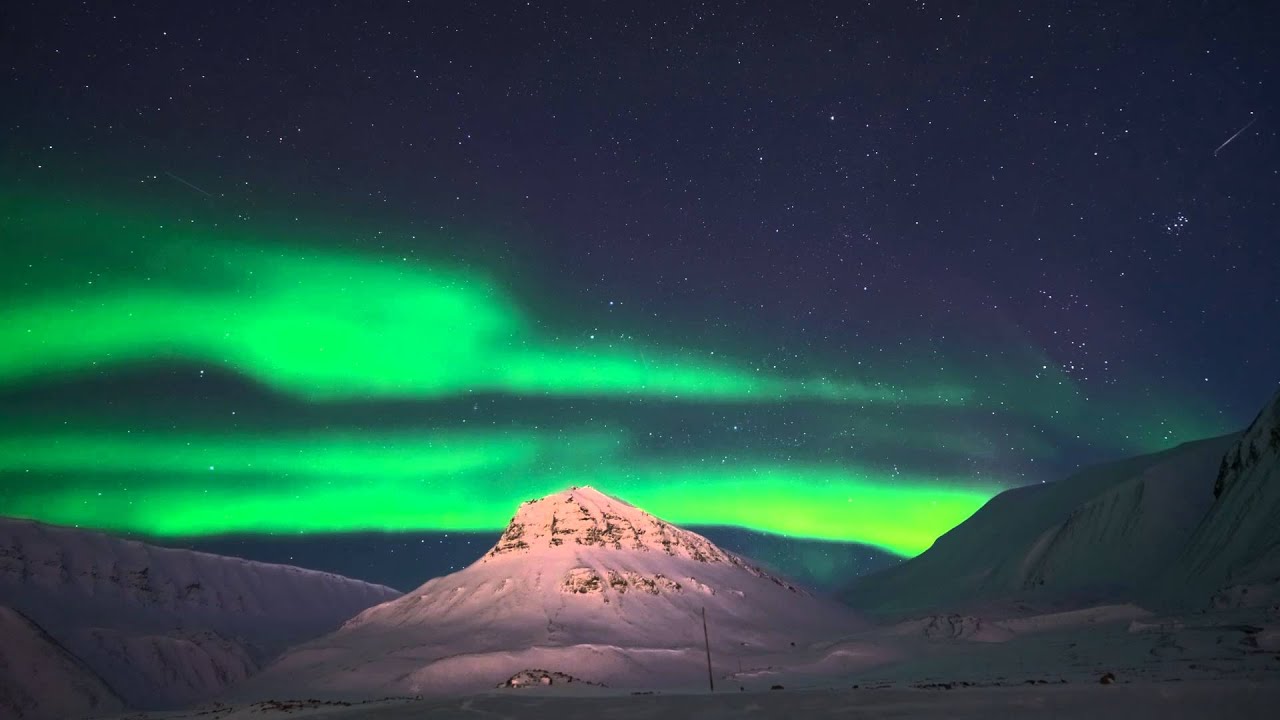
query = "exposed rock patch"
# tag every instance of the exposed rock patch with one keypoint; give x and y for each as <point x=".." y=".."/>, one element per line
<point x="541" y="678"/>
<point x="586" y="518"/>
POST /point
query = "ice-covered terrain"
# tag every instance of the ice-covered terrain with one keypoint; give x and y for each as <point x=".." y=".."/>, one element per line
<point x="579" y="583"/>
<point x="163" y="627"/>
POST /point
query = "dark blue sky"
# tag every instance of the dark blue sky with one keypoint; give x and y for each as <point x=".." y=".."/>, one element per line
<point x="970" y="192"/>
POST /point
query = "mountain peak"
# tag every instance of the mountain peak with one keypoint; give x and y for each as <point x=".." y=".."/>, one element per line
<point x="583" y="518"/>
<point x="584" y="494"/>
<point x="580" y="583"/>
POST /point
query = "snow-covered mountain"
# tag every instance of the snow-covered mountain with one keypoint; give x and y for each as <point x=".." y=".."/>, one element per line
<point x="1235" y="552"/>
<point x="40" y="679"/>
<point x="1106" y="533"/>
<point x="161" y="626"/>
<point x="579" y="583"/>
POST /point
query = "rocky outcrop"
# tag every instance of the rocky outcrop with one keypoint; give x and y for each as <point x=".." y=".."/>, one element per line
<point x="1237" y="545"/>
<point x="584" y="517"/>
<point x="543" y="678"/>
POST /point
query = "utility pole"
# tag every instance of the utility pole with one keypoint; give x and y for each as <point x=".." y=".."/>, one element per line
<point x="707" y="639"/>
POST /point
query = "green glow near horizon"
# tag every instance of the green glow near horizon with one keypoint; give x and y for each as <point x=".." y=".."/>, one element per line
<point x="901" y="515"/>
<point x="190" y="485"/>
<point x="330" y="324"/>
<point x="85" y="290"/>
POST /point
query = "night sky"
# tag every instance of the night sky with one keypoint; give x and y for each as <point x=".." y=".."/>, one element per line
<point x="341" y="285"/>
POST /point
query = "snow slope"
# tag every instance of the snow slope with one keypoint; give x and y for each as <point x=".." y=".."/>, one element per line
<point x="1110" y="661"/>
<point x="1106" y="661"/>
<point x="163" y="626"/>
<point x="1102" y="534"/>
<point x="579" y="583"/>
<point x="1235" y="552"/>
<point x="40" y="679"/>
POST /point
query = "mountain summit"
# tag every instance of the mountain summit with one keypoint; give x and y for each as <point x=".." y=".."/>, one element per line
<point x="583" y="518"/>
<point x="579" y="583"/>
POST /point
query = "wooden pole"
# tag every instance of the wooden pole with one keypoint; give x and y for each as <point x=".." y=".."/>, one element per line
<point x="707" y="639"/>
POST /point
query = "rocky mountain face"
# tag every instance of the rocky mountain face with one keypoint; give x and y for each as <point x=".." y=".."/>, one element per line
<point x="580" y="583"/>
<point x="164" y="627"/>
<point x="1235" y="552"/>
<point x="586" y="518"/>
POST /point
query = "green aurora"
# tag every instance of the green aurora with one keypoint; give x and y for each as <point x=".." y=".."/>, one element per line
<point x="325" y="324"/>
<point x="201" y="485"/>
<point x="89" y="291"/>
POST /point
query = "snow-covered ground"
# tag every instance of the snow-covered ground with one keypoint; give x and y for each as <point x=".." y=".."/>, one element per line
<point x="1140" y="701"/>
<point x="1108" y="661"/>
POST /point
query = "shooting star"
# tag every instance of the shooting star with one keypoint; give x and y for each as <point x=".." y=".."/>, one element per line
<point x="1233" y="137"/>
<point x="210" y="196"/>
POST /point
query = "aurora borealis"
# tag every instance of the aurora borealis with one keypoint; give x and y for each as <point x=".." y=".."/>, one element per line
<point x="324" y="324"/>
<point x="324" y="327"/>
<point x="328" y="484"/>
<point x="830" y="277"/>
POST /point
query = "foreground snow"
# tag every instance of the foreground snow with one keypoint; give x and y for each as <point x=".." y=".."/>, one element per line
<point x="1138" y="701"/>
<point x="1110" y="661"/>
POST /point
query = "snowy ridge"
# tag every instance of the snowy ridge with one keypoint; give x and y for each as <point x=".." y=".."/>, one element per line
<point x="1101" y="535"/>
<point x="164" y="626"/>
<point x="1237" y="546"/>
<point x="580" y="583"/>
<point x="40" y="679"/>
<point x="57" y="569"/>
<point x="1123" y="537"/>
<point x="166" y="669"/>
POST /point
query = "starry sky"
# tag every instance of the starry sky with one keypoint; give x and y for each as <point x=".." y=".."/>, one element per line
<point x="341" y="285"/>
